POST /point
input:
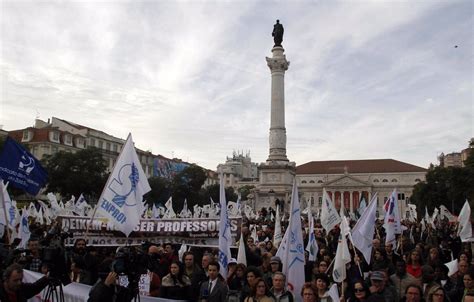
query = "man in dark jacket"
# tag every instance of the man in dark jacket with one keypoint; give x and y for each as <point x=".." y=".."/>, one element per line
<point x="13" y="288"/>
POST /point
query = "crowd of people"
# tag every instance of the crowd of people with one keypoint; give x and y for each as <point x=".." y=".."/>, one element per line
<point x="414" y="270"/>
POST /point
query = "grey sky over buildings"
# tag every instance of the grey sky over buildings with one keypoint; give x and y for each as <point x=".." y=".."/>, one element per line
<point x="367" y="79"/>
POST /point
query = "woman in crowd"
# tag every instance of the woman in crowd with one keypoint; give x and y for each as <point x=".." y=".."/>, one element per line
<point x="322" y="285"/>
<point x="308" y="293"/>
<point x="360" y="292"/>
<point x="437" y="294"/>
<point x="175" y="285"/>
<point x="414" y="264"/>
<point x="434" y="257"/>
<point x="251" y="275"/>
<point x="260" y="292"/>
<point x="237" y="280"/>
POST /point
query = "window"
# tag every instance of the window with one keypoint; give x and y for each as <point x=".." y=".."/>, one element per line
<point x="394" y="180"/>
<point x="68" y="139"/>
<point x="376" y="180"/>
<point x="311" y="181"/>
<point x="26" y="136"/>
<point x="92" y="142"/>
<point x="401" y="196"/>
<point x="56" y="136"/>
<point x="320" y="181"/>
<point x="107" y="146"/>
<point x="101" y="144"/>
<point x="417" y="180"/>
<point x="320" y="201"/>
<point x="114" y="147"/>
<point x="385" y="180"/>
<point x="303" y="182"/>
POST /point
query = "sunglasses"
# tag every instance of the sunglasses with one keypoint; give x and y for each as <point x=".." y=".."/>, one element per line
<point x="359" y="290"/>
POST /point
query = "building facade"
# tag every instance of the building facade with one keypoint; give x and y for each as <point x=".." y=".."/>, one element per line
<point x="238" y="170"/>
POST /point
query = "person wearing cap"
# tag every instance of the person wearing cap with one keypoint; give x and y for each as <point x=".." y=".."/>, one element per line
<point x="379" y="287"/>
<point x="232" y="265"/>
<point x="275" y="266"/>
<point x="278" y="290"/>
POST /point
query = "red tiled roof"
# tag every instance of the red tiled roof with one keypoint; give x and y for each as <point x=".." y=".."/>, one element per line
<point x="357" y="166"/>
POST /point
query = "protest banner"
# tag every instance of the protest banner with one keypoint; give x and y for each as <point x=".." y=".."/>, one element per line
<point x="191" y="231"/>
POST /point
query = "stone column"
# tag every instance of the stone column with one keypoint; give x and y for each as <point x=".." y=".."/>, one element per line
<point x="351" y="203"/>
<point x="278" y="65"/>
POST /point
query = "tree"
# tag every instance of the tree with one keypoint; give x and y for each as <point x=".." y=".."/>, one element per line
<point x="245" y="191"/>
<point x="214" y="192"/>
<point x="450" y="186"/>
<point x="160" y="191"/>
<point x="186" y="185"/>
<point x="76" y="173"/>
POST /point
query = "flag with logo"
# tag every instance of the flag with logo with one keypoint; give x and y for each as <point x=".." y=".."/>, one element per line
<point x="312" y="246"/>
<point x="329" y="216"/>
<point x="24" y="229"/>
<point x="21" y="168"/>
<point x="80" y="205"/>
<point x="225" y="238"/>
<point x="392" y="219"/>
<point x="293" y="252"/>
<point x="121" y="200"/>
<point x="9" y="211"/>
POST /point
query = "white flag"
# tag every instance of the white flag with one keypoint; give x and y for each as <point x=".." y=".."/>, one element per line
<point x="392" y="219"/>
<point x="241" y="256"/>
<point x="413" y="214"/>
<point x="225" y="238"/>
<point x="122" y="198"/>
<point x="465" y="227"/>
<point x="80" y="205"/>
<point x="445" y="213"/>
<point x="364" y="229"/>
<point x="329" y="216"/>
<point x="9" y="207"/>
<point x="333" y="292"/>
<point x="277" y="233"/>
<point x="24" y="230"/>
<point x="293" y="256"/>
<point x="362" y="206"/>
<point x="312" y="246"/>
<point x="185" y="213"/>
<point x="452" y="266"/>
<point x="343" y="256"/>
<point x="183" y="249"/>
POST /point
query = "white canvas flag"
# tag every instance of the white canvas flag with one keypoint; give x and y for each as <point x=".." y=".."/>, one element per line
<point x="333" y="292"/>
<point x="452" y="266"/>
<point x="445" y="213"/>
<point x="122" y="198"/>
<point x="312" y="246"/>
<point x="329" y="216"/>
<point x="465" y="227"/>
<point x="343" y="256"/>
<point x="80" y="205"/>
<point x="413" y="214"/>
<point x="9" y="212"/>
<point x="293" y="258"/>
<point x="392" y="219"/>
<point x="364" y="229"/>
<point x="362" y="206"/>
<point x="277" y="233"/>
<point x="241" y="256"/>
<point x="225" y="237"/>
<point x="24" y="230"/>
<point x="183" y="249"/>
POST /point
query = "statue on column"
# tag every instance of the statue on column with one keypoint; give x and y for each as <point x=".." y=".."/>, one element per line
<point x="277" y="33"/>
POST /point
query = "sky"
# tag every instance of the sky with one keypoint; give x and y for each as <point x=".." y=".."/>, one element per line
<point x="189" y="79"/>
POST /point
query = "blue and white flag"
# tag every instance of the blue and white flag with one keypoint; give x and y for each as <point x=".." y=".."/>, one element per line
<point x="24" y="230"/>
<point x="364" y="229"/>
<point x="21" y="168"/>
<point x="225" y="238"/>
<point x="362" y="206"/>
<point x="392" y="219"/>
<point x="312" y="246"/>
<point x="121" y="200"/>
<point x="80" y="205"/>
<point x="329" y="216"/>
<point x="9" y="212"/>
<point x="293" y="252"/>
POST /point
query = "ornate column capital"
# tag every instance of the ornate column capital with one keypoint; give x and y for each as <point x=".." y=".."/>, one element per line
<point x="278" y="64"/>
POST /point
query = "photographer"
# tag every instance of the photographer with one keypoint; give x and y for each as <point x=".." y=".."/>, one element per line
<point x="104" y="290"/>
<point x="14" y="290"/>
